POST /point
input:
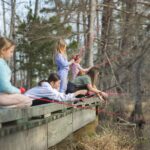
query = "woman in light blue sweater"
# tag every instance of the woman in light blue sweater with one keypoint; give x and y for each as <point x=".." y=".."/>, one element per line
<point x="9" y="95"/>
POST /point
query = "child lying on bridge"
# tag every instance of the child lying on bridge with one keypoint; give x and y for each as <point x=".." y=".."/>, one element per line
<point x="9" y="95"/>
<point x="87" y="82"/>
<point x="49" y="89"/>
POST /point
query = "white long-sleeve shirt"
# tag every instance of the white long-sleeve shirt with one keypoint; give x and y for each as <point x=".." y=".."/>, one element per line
<point x="46" y="90"/>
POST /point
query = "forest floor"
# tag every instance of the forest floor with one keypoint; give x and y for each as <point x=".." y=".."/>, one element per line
<point x="110" y="136"/>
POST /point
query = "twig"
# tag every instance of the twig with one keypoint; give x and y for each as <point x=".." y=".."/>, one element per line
<point x="127" y="124"/>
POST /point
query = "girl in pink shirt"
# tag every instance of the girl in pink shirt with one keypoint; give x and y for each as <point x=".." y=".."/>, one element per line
<point x="76" y="67"/>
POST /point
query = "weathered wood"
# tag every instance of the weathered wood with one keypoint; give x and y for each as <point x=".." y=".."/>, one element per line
<point x="32" y="139"/>
<point x="37" y="138"/>
<point x="59" y="129"/>
<point x="49" y="134"/>
<point x="47" y="115"/>
<point x="89" y="101"/>
<point x="21" y="125"/>
<point x="7" y="115"/>
<point x="39" y="134"/>
<point x="83" y="117"/>
<point x="45" y="109"/>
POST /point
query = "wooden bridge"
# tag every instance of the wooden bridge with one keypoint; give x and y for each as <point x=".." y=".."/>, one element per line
<point x="43" y="126"/>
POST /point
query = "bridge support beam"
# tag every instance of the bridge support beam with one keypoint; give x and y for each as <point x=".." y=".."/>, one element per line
<point x="49" y="134"/>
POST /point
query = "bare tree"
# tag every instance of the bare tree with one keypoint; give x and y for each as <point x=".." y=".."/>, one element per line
<point x="4" y="16"/>
<point x="90" y="36"/>
<point x="78" y="27"/>
<point x="105" y="38"/>
<point x="12" y="35"/>
<point x="36" y="8"/>
<point x="12" y="22"/>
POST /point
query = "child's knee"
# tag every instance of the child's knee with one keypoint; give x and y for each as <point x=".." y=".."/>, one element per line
<point x="29" y="103"/>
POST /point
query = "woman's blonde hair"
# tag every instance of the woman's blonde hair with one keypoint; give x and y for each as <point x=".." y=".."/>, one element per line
<point x="5" y="43"/>
<point x="61" y="46"/>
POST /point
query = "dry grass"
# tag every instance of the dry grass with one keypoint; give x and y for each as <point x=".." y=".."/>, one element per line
<point x="146" y="110"/>
<point x="108" y="140"/>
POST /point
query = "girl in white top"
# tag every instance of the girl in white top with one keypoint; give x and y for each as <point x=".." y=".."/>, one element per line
<point x="50" y="89"/>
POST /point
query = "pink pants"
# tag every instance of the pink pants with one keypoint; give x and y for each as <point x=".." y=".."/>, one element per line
<point x="14" y="100"/>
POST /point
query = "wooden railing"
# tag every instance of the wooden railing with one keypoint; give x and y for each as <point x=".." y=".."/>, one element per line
<point x="67" y="116"/>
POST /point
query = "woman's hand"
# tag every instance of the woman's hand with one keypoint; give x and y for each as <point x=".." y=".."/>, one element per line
<point x="71" y="61"/>
<point x="81" y="92"/>
<point x="104" y="94"/>
<point x="101" y="98"/>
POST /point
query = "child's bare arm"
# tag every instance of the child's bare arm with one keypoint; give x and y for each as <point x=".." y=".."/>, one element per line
<point x="92" y="89"/>
<point x="84" y="69"/>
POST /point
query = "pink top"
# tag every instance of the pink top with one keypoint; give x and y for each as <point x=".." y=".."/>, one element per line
<point x="75" y="68"/>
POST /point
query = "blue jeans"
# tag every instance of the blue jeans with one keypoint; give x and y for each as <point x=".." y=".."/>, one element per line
<point x="63" y="80"/>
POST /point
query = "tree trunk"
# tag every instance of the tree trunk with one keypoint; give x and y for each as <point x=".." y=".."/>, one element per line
<point x="90" y="35"/>
<point x="4" y="17"/>
<point x="105" y="35"/>
<point x="78" y="28"/>
<point x="36" y="8"/>
<point x="84" y="37"/>
<point x="12" y="35"/>
<point x="128" y="28"/>
<point x="12" y="23"/>
<point x="98" y="31"/>
<point x="137" y="114"/>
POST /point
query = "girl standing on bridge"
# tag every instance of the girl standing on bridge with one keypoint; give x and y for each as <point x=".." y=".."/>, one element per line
<point x="62" y="64"/>
<point x="9" y="95"/>
<point x="76" y="67"/>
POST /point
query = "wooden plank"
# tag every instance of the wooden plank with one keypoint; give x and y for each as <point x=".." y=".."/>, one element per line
<point x="44" y="109"/>
<point x="43" y="133"/>
<point x="47" y="115"/>
<point x="22" y="125"/>
<point x="89" y="102"/>
<point x="36" y="138"/>
<point x="83" y="117"/>
<point x="11" y="114"/>
<point x="13" y="142"/>
<point x="7" y="115"/>
<point x="59" y="130"/>
<point x="33" y="139"/>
